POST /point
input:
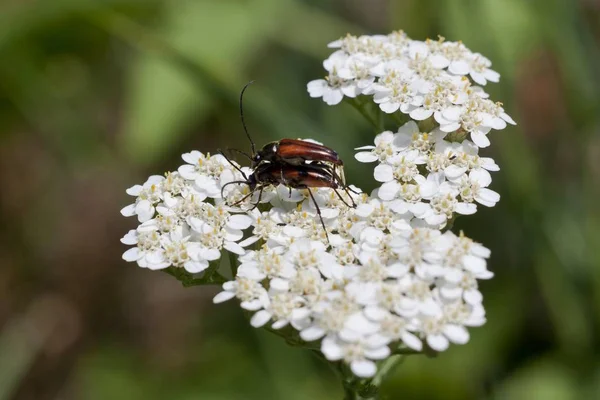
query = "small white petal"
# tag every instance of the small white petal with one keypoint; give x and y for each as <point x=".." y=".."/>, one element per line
<point x="132" y="254"/>
<point x="488" y="195"/>
<point x="209" y="254"/>
<point x="301" y="313"/>
<point x="223" y="296"/>
<point x="383" y="173"/>
<point x="388" y="190"/>
<point x="331" y="350"/>
<point x="239" y="221"/>
<point x="194" y="267"/>
<point x="473" y="296"/>
<point x="280" y="324"/>
<point x="454" y="172"/>
<point x="412" y="341"/>
<point x="479" y="78"/>
<point x="359" y="323"/>
<point x="251" y="240"/>
<point x="144" y="210"/>
<point x="459" y="67"/>
<point x="187" y="172"/>
<point x="481" y="176"/>
<point x="474" y="264"/>
<point x="465" y="208"/>
<point x="333" y="96"/>
<point x="480" y="139"/>
<point x="364" y="210"/>
<point x="363" y="368"/>
<point x="456" y="333"/>
<point x="128" y="211"/>
<point x="437" y="342"/>
<point x="312" y="333"/>
<point x="279" y="284"/>
<point x="293" y="231"/>
<point x="421" y="114"/>
<point x="389" y="107"/>
<point x="507" y="118"/>
<point x="234" y="248"/>
<point x="260" y="318"/>
<point x="366" y="157"/>
<point x="451" y="293"/>
<point x="135" y="190"/>
<point x="492" y="75"/>
<point x="378" y="353"/>
<point x="130" y="238"/>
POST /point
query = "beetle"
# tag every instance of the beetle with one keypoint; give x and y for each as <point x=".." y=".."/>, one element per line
<point x="306" y="176"/>
<point x="295" y="152"/>
<point x="288" y="151"/>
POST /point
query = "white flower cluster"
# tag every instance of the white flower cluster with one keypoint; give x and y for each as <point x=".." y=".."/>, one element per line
<point x="184" y="221"/>
<point x="420" y="79"/>
<point x="378" y="285"/>
<point x="383" y="278"/>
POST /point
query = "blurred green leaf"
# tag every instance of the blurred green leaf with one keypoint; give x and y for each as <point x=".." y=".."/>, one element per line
<point x="544" y="379"/>
<point x="222" y="37"/>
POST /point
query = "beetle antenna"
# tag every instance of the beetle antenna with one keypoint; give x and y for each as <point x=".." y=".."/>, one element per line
<point x="232" y="183"/>
<point x="241" y="152"/>
<point x="242" y="117"/>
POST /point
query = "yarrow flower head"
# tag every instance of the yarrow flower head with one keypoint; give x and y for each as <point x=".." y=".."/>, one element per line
<point x="364" y="276"/>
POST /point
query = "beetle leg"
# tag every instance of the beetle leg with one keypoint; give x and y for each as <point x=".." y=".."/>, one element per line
<point x="318" y="213"/>
<point x="348" y="188"/>
<point x="285" y="182"/>
<point x="342" y="183"/>
<point x="242" y="199"/>
<point x="343" y="200"/>
<point x="259" y="197"/>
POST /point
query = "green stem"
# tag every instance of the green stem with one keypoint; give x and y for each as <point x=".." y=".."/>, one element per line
<point x="380" y="117"/>
<point x="386" y="368"/>
<point x="233" y="264"/>
<point x="361" y="109"/>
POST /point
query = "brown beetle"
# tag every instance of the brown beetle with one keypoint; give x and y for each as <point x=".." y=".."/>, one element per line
<point x="288" y="151"/>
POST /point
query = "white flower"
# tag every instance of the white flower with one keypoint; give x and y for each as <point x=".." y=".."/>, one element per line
<point x="439" y="333"/>
<point x="394" y="328"/>
<point x="281" y="308"/>
<point x="306" y="253"/>
<point x="359" y="354"/>
<point x="267" y="263"/>
<point x="208" y="172"/>
<point x="472" y="188"/>
<point x="179" y="252"/>
<point x="444" y="205"/>
<point x="147" y="196"/>
<point x="148" y="244"/>
<point x="251" y="294"/>
<point x="383" y="149"/>
<point x="329" y="89"/>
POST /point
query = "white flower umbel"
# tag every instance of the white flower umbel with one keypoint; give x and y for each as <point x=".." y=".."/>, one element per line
<point x="181" y="227"/>
<point x="362" y="283"/>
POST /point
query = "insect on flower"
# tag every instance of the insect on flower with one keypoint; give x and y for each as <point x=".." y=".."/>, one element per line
<point x="294" y="163"/>
<point x="290" y="151"/>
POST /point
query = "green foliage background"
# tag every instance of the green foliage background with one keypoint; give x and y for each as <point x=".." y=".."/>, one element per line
<point x="97" y="95"/>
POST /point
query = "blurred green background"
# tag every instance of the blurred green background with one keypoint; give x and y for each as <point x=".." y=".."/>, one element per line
<point x="97" y="95"/>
